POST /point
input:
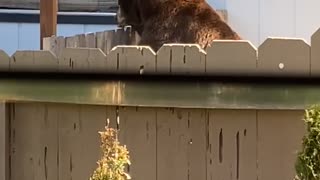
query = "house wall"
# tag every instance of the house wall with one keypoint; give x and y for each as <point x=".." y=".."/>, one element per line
<point x="257" y="19"/>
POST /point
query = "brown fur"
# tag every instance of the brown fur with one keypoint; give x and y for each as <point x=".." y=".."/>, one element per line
<point x="174" y="21"/>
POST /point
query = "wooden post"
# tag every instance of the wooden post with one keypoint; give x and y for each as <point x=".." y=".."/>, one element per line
<point x="4" y="149"/>
<point x="48" y="19"/>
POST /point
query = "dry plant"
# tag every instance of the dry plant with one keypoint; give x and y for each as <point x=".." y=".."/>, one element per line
<point x="308" y="161"/>
<point x="114" y="159"/>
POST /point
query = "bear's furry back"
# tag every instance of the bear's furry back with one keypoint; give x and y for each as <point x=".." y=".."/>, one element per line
<point x="181" y="21"/>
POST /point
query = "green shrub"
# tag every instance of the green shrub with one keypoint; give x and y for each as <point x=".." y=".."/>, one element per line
<point x="114" y="158"/>
<point x="308" y="161"/>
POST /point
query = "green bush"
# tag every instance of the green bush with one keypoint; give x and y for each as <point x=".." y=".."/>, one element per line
<point x="114" y="158"/>
<point x="308" y="161"/>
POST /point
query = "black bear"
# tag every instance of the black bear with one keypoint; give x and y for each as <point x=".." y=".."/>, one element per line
<point x="174" y="21"/>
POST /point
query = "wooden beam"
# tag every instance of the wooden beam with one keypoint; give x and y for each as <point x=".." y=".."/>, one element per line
<point x="48" y="19"/>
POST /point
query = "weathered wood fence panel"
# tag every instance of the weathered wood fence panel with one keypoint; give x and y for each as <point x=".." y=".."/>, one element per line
<point x="282" y="57"/>
<point x="34" y="61"/>
<point x="4" y="61"/>
<point x="315" y="54"/>
<point x="231" y="58"/>
<point x="78" y="137"/>
<point x="186" y="59"/>
<point x="181" y="144"/>
<point x="34" y="143"/>
<point x="233" y="140"/>
<point x="139" y="132"/>
<point x="58" y="141"/>
<point x="110" y="53"/>
<point x="132" y="60"/>
<point x="4" y="141"/>
<point x="105" y="40"/>
<point x="279" y="139"/>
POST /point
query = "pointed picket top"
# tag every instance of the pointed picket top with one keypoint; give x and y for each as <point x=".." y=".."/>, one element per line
<point x="83" y="60"/>
<point x="181" y="59"/>
<point x="104" y="40"/>
<point x="45" y="61"/>
<point x="132" y="60"/>
<point x="33" y="61"/>
<point x="315" y="54"/>
<point x="120" y="37"/>
<point x="90" y="40"/>
<point x="316" y="35"/>
<point x="54" y="44"/>
<point x="4" y="61"/>
<point x="73" y="41"/>
<point x="284" y="57"/>
<point x="109" y="41"/>
<point x="229" y="57"/>
<point x="76" y="41"/>
<point x="98" y="62"/>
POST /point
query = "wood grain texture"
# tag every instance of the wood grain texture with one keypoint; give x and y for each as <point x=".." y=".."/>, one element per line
<point x="284" y="57"/>
<point x="181" y="144"/>
<point x="61" y="141"/>
<point x="280" y="136"/>
<point x="34" y="143"/>
<point x="138" y="133"/>
<point x="315" y="54"/>
<point x="232" y="142"/>
<point x="4" y="61"/>
<point x="4" y="141"/>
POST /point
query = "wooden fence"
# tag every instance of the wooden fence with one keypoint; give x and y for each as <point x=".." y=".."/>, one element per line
<point x="50" y="141"/>
<point x="61" y="141"/>
<point x="90" y="53"/>
<point x="104" y="40"/>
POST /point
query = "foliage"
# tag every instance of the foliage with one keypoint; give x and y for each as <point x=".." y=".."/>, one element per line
<point x="114" y="158"/>
<point x="308" y="161"/>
